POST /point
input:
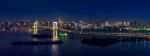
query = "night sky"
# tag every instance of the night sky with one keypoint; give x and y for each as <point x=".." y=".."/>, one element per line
<point x="77" y="8"/>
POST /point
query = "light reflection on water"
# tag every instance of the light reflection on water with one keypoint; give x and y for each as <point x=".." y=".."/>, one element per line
<point x="63" y="38"/>
<point x="55" y="50"/>
<point x="55" y="37"/>
<point x="133" y="45"/>
<point x="73" y="47"/>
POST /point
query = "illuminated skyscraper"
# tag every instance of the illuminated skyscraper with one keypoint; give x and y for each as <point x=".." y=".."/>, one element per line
<point x="60" y="22"/>
<point x="106" y="23"/>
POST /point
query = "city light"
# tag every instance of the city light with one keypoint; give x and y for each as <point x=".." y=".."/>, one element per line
<point x="63" y="34"/>
<point x="35" y="27"/>
<point x="55" y="31"/>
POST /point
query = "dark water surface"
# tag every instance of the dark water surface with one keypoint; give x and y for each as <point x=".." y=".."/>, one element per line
<point x="70" y="47"/>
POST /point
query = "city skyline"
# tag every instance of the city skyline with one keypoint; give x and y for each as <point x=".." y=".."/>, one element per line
<point x="74" y="27"/>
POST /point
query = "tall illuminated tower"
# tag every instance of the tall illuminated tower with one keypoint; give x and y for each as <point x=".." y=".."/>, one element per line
<point x="35" y="27"/>
<point x="60" y="22"/>
<point x="55" y="31"/>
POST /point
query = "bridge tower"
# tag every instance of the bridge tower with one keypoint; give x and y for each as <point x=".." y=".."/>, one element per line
<point x="35" y="27"/>
<point x="55" y="31"/>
